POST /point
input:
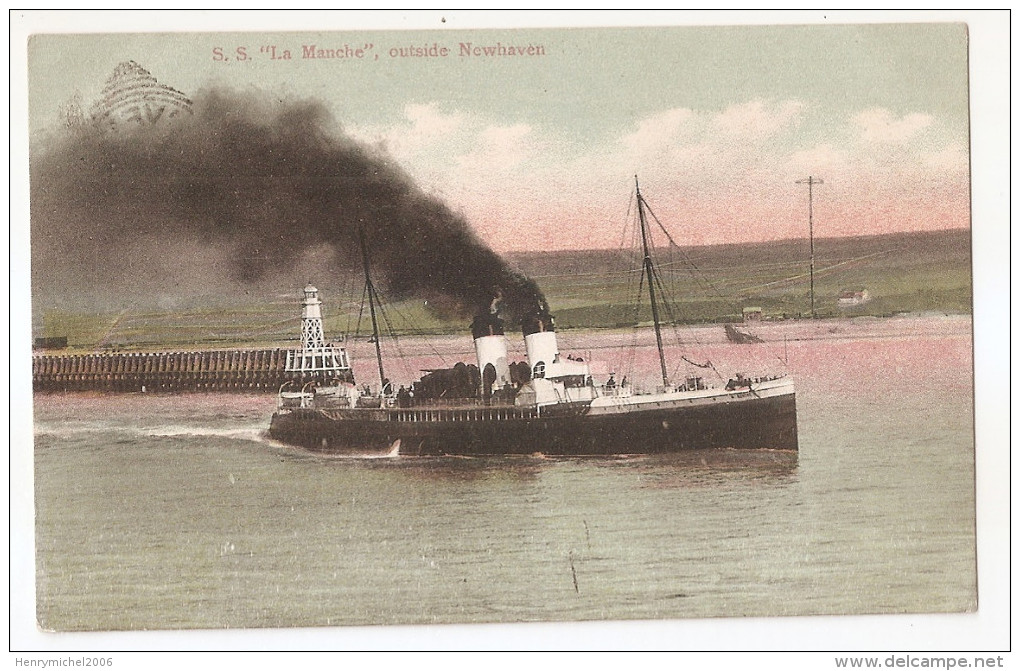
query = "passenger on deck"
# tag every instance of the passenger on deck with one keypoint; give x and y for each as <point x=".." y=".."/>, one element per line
<point x="403" y="397"/>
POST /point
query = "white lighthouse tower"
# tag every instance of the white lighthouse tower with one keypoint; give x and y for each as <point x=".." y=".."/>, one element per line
<point x="316" y="357"/>
<point x="311" y="320"/>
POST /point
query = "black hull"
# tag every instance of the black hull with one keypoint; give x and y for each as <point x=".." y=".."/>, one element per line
<point x="750" y="423"/>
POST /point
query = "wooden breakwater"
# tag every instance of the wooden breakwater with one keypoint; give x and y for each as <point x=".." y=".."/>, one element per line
<point x="217" y="370"/>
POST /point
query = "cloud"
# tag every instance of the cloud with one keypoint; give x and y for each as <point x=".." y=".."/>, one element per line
<point x="500" y="148"/>
<point x="660" y="131"/>
<point x="880" y="126"/>
<point x="682" y="136"/>
<point x="424" y="126"/>
<point x="819" y="159"/>
<point x="758" y="118"/>
<point x="429" y="122"/>
<point x="951" y="158"/>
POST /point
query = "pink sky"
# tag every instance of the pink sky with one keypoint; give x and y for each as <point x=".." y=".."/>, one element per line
<point x="722" y="176"/>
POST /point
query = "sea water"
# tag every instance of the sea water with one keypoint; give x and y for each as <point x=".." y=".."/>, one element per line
<point x="170" y="512"/>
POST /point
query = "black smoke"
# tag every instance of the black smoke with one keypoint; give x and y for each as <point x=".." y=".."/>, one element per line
<point x="252" y="189"/>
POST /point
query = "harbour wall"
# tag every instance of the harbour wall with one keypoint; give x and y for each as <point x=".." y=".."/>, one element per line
<point x="261" y="370"/>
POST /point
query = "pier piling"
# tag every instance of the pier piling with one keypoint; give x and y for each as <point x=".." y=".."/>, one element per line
<point x="262" y="370"/>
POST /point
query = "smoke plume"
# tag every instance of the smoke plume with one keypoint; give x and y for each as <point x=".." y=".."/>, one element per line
<point x="255" y="188"/>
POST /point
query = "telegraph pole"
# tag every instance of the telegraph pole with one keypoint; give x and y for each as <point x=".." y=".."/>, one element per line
<point x="811" y="181"/>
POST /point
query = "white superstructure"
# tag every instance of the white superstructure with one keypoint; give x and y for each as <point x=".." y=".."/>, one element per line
<point x="553" y="379"/>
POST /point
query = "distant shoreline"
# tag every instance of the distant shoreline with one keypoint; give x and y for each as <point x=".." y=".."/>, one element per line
<point x="896" y="274"/>
<point x="793" y="329"/>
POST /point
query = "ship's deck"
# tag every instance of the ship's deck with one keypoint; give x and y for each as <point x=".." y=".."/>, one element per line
<point x="451" y="413"/>
<point x="476" y="410"/>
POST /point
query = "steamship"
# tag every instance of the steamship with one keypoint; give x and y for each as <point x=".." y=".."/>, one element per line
<point x="549" y="405"/>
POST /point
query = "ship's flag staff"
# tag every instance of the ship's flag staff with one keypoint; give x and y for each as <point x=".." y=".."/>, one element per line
<point x="372" y="298"/>
<point x="811" y="181"/>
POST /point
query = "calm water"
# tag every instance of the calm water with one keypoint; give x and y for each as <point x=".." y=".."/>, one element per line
<point x="160" y="512"/>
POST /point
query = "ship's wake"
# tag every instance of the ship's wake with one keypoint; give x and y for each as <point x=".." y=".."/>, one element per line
<point x="392" y="453"/>
<point x="162" y="431"/>
<point x="116" y="434"/>
<point x="179" y="431"/>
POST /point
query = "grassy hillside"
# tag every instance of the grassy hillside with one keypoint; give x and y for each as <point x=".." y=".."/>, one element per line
<point x="595" y="289"/>
<point x="902" y="273"/>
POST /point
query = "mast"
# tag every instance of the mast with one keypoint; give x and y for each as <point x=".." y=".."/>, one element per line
<point x="811" y="181"/>
<point x="371" y="307"/>
<point x="651" y="281"/>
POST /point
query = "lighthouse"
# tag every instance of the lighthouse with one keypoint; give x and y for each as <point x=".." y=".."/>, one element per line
<point x="316" y="360"/>
<point x="311" y="320"/>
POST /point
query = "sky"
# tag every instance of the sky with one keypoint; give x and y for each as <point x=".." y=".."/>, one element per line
<point x="540" y="151"/>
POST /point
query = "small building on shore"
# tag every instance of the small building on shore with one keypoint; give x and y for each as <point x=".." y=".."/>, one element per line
<point x="851" y="298"/>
